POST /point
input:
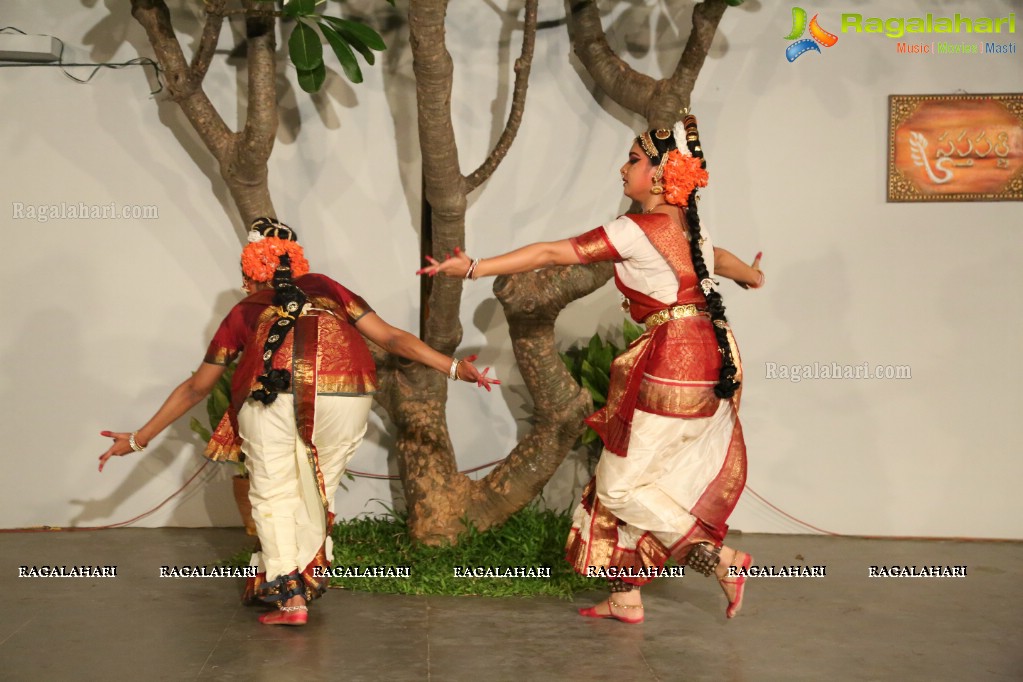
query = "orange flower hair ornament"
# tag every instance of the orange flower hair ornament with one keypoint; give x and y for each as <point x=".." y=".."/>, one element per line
<point x="682" y="174"/>
<point x="261" y="258"/>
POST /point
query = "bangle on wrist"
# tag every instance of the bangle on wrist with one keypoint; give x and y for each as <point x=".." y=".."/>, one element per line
<point x="471" y="272"/>
<point x="134" y="443"/>
<point x="453" y="372"/>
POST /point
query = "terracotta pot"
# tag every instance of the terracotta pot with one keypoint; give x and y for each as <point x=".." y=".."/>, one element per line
<point x="241" y="498"/>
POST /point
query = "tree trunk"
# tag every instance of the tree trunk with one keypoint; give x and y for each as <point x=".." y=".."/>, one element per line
<point x="438" y="497"/>
<point x="435" y="493"/>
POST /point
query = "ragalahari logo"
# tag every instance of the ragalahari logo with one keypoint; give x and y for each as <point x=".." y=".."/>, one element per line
<point x="817" y="35"/>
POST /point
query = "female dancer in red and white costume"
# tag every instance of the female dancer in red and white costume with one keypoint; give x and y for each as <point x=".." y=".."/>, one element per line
<point x="674" y="461"/>
<point x="300" y="400"/>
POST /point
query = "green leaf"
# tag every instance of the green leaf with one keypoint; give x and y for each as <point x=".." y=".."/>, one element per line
<point x="356" y="32"/>
<point x="594" y="346"/>
<point x="305" y="49"/>
<point x="221" y="392"/>
<point x="201" y="430"/>
<point x="366" y="53"/>
<point x="217" y="405"/>
<point x="590" y="371"/>
<point x="586" y="369"/>
<point x="597" y="396"/>
<point x="219" y="399"/>
<point x="601" y="381"/>
<point x="312" y="80"/>
<point x="589" y="436"/>
<point x="344" y="54"/>
<point x="632" y="331"/>
<point x="213" y="413"/>
<point x="297" y="8"/>
<point x="602" y="359"/>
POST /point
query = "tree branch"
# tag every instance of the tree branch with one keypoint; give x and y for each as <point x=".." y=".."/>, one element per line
<point x="618" y="80"/>
<point x="208" y="41"/>
<point x="261" y="115"/>
<point x="444" y="184"/>
<point x="522" y="67"/>
<point x="678" y="89"/>
<point x="184" y="89"/>
<point x="532" y="302"/>
<point x="659" y="101"/>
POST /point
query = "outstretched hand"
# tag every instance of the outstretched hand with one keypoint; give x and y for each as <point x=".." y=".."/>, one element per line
<point x="453" y="265"/>
<point x="468" y="372"/>
<point x="120" y="448"/>
<point x="760" y="273"/>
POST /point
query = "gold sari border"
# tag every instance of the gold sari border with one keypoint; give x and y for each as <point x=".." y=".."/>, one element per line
<point x="719" y="499"/>
<point x="304" y="375"/>
<point x="594" y="246"/>
<point x="222" y="356"/>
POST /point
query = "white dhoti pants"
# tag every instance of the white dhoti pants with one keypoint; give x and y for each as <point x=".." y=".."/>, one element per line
<point x="286" y="504"/>
<point x="670" y="464"/>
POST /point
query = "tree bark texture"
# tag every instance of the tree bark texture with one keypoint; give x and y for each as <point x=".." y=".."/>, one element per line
<point x="242" y="156"/>
<point x="659" y="101"/>
<point x="439" y="498"/>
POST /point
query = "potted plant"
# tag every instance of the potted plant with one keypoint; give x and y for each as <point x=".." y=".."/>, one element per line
<point x="216" y="406"/>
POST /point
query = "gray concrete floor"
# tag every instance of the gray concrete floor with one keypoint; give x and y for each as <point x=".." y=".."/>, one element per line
<point x="845" y="626"/>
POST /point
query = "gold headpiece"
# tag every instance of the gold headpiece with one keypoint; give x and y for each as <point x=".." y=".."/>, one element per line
<point x="648" y="145"/>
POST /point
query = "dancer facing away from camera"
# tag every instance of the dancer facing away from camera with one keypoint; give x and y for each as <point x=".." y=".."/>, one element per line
<point x="674" y="461"/>
<point x="300" y="400"/>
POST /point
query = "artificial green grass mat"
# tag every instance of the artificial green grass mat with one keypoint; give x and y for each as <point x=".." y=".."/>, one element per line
<point x="530" y="539"/>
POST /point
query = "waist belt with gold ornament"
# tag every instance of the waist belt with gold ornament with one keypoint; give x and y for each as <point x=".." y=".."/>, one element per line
<point x="676" y="312"/>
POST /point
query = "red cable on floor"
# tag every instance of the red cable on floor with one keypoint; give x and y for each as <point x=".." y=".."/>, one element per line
<point x="757" y="495"/>
<point x="361" y="474"/>
<point x="388" y="477"/>
<point x="50" y="529"/>
<point x="56" y="529"/>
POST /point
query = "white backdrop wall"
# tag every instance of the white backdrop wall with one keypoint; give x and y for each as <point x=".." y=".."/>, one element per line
<point x="105" y="316"/>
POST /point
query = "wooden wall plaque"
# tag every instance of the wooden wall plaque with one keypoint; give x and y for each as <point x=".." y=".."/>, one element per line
<point x="955" y="147"/>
